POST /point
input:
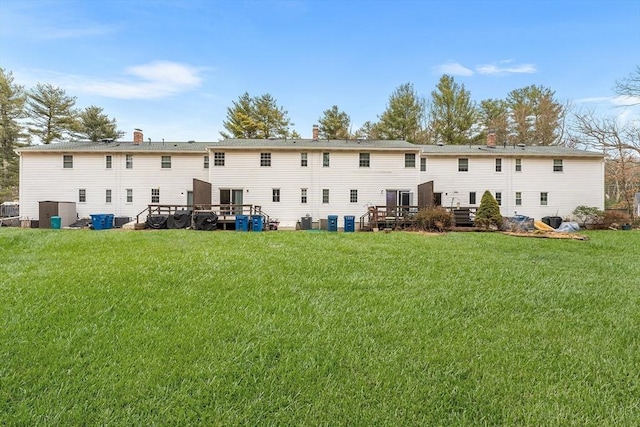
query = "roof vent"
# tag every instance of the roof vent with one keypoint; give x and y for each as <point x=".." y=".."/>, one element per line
<point x="191" y="141"/>
<point x="106" y="140"/>
<point x="521" y="145"/>
<point x="440" y="143"/>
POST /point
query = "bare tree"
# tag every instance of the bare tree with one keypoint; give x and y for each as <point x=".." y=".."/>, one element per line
<point x="621" y="143"/>
<point x="630" y="86"/>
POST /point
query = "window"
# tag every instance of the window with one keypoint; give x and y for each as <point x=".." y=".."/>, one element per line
<point x="265" y="159"/>
<point x="557" y="165"/>
<point x="544" y="198"/>
<point x="518" y="165"/>
<point x="166" y="162"/>
<point x="518" y="198"/>
<point x="67" y="161"/>
<point x="463" y="165"/>
<point x="304" y="162"/>
<point x="325" y="195"/>
<point x="423" y="164"/>
<point x="275" y="195"/>
<point x="155" y="195"/>
<point x="303" y="195"/>
<point x="472" y="198"/>
<point x="365" y="160"/>
<point x="498" y="165"/>
<point x="82" y="195"/>
<point x="107" y="195"/>
<point x="218" y="159"/>
<point x="108" y="160"/>
<point x="499" y="198"/>
<point x="206" y="162"/>
<point x="353" y="196"/>
<point x="129" y="161"/>
<point x="129" y="195"/>
<point x="325" y="160"/>
<point x="409" y="160"/>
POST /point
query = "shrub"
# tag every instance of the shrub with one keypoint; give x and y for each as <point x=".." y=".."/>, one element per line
<point x="488" y="213"/>
<point x="434" y="218"/>
<point x="615" y="218"/>
<point x="588" y="214"/>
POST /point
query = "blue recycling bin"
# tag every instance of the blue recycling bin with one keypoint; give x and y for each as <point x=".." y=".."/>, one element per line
<point x="257" y="222"/>
<point x="242" y="223"/>
<point x="108" y="221"/>
<point x="333" y="223"/>
<point x="56" y="222"/>
<point x="349" y="223"/>
<point x="98" y="221"/>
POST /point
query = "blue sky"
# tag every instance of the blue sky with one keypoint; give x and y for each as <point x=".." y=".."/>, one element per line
<point x="172" y="68"/>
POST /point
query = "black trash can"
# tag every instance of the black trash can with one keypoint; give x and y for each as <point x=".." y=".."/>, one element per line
<point x="555" y="221"/>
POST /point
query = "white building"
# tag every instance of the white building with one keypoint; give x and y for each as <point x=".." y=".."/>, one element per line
<point x="293" y="178"/>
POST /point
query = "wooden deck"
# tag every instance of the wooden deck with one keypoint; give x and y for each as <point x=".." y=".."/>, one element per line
<point x="226" y="213"/>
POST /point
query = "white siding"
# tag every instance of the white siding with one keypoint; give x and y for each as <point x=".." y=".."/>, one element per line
<point x="42" y="177"/>
<point x="242" y="170"/>
<point x="580" y="183"/>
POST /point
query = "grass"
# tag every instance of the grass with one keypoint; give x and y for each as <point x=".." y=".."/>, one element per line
<point x="293" y="328"/>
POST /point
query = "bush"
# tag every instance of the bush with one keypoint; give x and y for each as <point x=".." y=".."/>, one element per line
<point x="434" y="219"/>
<point x="615" y="219"/>
<point x="488" y="213"/>
<point x="588" y="214"/>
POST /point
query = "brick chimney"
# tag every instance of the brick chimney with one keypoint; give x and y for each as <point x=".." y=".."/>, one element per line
<point x="491" y="139"/>
<point x="138" y="137"/>
<point x="315" y="133"/>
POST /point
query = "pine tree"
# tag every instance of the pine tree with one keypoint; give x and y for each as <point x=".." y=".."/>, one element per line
<point x="95" y="125"/>
<point x="404" y="116"/>
<point x="51" y="112"/>
<point x="256" y="117"/>
<point x="12" y="102"/>
<point x="494" y="117"/>
<point x="334" y="124"/>
<point x="488" y="213"/>
<point x="534" y="115"/>
<point x="453" y="114"/>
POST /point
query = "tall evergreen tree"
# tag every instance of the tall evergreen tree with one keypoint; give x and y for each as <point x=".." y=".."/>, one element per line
<point x="494" y="117"/>
<point x="95" y="125"/>
<point x="272" y="119"/>
<point x="453" y="114"/>
<point x="334" y="124"/>
<point x="535" y="115"/>
<point x="256" y="117"/>
<point x="12" y="102"/>
<point x="368" y="130"/>
<point x="51" y="112"/>
<point x="404" y="116"/>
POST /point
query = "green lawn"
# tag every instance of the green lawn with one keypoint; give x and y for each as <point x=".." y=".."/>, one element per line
<point x="298" y="328"/>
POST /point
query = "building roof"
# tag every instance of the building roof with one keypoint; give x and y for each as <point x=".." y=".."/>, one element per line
<point x="118" y="146"/>
<point x="507" y="151"/>
<point x="310" y="144"/>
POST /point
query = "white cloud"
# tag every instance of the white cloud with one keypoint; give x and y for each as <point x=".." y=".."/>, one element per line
<point x="625" y="101"/>
<point x="158" y="79"/>
<point x="453" y="68"/>
<point x="505" y="67"/>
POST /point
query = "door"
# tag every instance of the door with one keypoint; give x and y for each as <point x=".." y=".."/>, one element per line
<point x="392" y="202"/>
<point x="236" y="199"/>
<point x="228" y="201"/>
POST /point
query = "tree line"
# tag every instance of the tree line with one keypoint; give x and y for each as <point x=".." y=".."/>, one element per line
<point x="528" y="115"/>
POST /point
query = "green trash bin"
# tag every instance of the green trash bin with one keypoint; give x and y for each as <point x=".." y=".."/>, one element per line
<point x="56" y="222"/>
